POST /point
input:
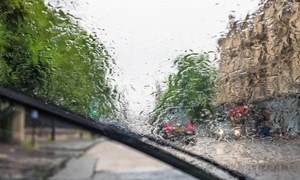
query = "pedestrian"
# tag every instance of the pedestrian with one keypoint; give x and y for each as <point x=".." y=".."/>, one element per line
<point x="266" y="122"/>
<point x="298" y="98"/>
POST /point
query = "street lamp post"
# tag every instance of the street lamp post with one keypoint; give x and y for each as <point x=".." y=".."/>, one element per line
<point x="53" y="131"/>
<point x="34" y="117"/>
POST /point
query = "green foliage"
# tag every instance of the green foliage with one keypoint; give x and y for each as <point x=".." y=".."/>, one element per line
<point x="27" y="143"/>
<point x="191" y="88"/>
<point x="45" y="54"/>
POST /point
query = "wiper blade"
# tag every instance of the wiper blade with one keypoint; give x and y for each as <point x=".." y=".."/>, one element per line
<point x="130" y="139"/>
<point x="232" y="172"/>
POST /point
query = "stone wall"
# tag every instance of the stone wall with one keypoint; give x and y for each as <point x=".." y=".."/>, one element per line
<point x="260" y="56"/>
<point x="260" y="62"/>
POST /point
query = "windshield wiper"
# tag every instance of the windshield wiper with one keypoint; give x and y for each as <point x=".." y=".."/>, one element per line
<point x="112" y="132"/>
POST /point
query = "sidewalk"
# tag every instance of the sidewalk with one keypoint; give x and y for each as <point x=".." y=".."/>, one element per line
<point x="110" y="160"/>
<point x="18" y="162"/>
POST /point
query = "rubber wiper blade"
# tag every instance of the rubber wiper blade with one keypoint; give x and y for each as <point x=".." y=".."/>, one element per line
<point x="232" y="172"/>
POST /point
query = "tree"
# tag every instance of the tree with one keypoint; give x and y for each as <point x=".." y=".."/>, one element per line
<point x="191" y="88"/>
<point x="45" y="54"/>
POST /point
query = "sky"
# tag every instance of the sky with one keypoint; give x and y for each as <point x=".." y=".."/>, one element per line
<point x="144" y="36"/>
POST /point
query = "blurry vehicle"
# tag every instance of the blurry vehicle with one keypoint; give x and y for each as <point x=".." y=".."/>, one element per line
<point x="177" y="127"/>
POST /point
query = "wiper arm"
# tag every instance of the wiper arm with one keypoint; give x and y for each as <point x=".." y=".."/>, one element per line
<point x="164" y="143"/>
<point x="129" y="139"/>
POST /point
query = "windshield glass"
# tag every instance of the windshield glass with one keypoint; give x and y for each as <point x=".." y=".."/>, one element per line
<point x="218" y="79"/>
